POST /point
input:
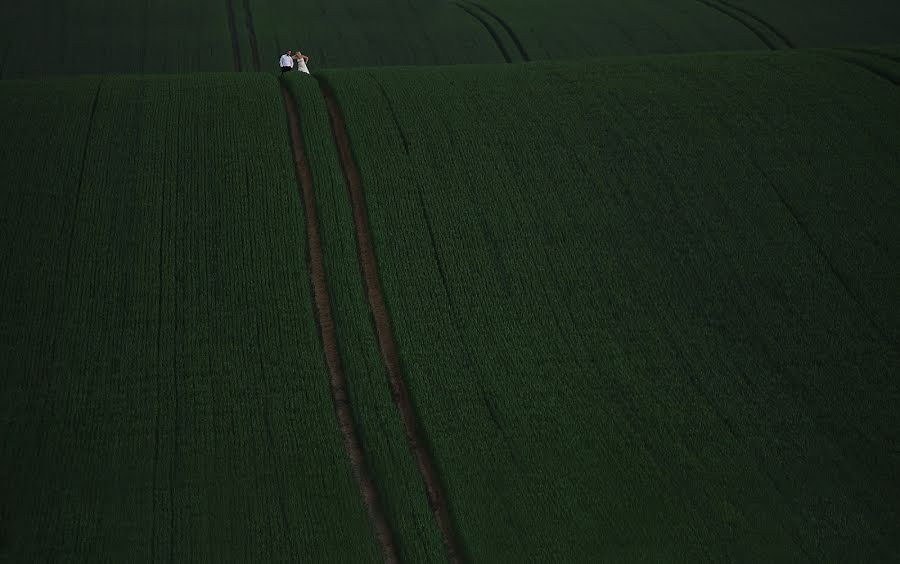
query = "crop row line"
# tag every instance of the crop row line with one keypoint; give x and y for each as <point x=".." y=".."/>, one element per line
<point x="251" y="32"/>
<point x="328" y="336"/>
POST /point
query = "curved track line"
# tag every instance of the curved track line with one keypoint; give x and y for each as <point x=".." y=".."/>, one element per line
<point x="873" y="53"/>
<point x="235" y="43"/>
<point x="504" y="25"/>
<point x="762" y="22"/>
<point x="390" y="354"/>
<point x="854" y="59"/>
<point x="328" y="335"/>
<point x="768" y="43"/>
<point x="489" y="29"/>
<point x="254" y="47"/>
<point x="5" y="59"/>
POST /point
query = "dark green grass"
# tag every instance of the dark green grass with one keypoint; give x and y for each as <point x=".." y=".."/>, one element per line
<point x="372" y="33"/>
<point x="98" y="36"/>
<point x="394" y="470"/>
<point x="646" y="307"/>
<point x="164" y="393"/>
<point x="575" y="29"/>
<point x="829" y="23"/>
<point x="140" y="36"/>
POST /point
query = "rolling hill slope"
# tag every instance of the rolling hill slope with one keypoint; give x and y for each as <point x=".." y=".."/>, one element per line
<point x="574" y="309"/>
<point x="644" y="306"/>
<point x="164" y="393"/>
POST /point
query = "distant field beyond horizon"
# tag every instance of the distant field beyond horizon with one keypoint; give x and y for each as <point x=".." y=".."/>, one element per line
<point x="131" y="36"/>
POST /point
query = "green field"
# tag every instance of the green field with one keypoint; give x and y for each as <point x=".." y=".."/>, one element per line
<point x="58" y="38"/>
<point x="164" y="397"/>
<point x="628" y="333"/>
<point x="500" y="282"/>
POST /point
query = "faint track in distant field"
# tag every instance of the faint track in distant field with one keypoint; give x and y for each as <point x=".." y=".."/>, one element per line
<point x="735" y="15"/>
<point x="389" y="351"/>
<point x="471" y="11"/>
<point x="328" y="336"/>
<point x="874" y="53"/>
<point x="509" y="30"/>
<point x="782" y="37"/>
<point x="251" y="32"/>
<point x="858" y="59"/>
<point x="235" y="43"/>
<point x="5" y="58"/>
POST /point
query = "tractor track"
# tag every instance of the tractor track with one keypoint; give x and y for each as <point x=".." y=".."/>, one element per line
<point x="390" y="354"/>
<point x="235" y="43"/>
<point x="328" y="335"/>
<point x="873" y="53"/>
<point x="854" y="58"/>
<point x="509" y="30"/>
<point x="472" y="12"/>
<point x="782" y="37"/>
<point x="728" y="12"/>
<point x="251" y="32"/>
<point x="5" y="59"/>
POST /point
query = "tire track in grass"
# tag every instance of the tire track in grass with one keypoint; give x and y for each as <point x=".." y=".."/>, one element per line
<point x="145" y="34"/>
<point x="504" y="25"/>
<point x="390" y="355"/>
<point x="488" y="27"/>
<point x="872" y="52"/>
<point x="782" y="37"/>
<point x="328" y="336"/>
<point x="251" y="31"/>
<point x="858" y="59"/>
<point x="5" y="58"/>
<point x="235" y="43"/>
<point x="728" y="12"/>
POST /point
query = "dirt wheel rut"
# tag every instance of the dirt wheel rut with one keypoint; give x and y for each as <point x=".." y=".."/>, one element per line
<point x="328" y="335"/>
<point x="390" y="355"/>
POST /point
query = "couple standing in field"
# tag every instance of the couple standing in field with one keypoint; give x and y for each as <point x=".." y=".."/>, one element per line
<point x="287" y="61"/>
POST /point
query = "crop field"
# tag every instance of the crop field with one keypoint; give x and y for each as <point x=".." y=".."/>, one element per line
<point x="573" y="281"/>
<point x="824" y="24"/>
<point x="681" y="343"/>
<point x="358" y="33"/>
<point x="164" y="391"/>
<point x="137" y="36"/>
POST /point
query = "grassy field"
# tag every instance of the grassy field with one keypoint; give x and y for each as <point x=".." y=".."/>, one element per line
<point x="97" y="36"/>
<point x="61" y="38"/>
<point x="621" y="308"/>
<point x="654" y="316"/>
<point x="392" y="465"/>
<point x="164" y="393"/>
<point x="373" y="33"/>
<point x="824" y="24"/>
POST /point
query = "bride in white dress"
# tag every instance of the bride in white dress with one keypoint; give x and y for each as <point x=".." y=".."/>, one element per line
<point x="301" y="62"/>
